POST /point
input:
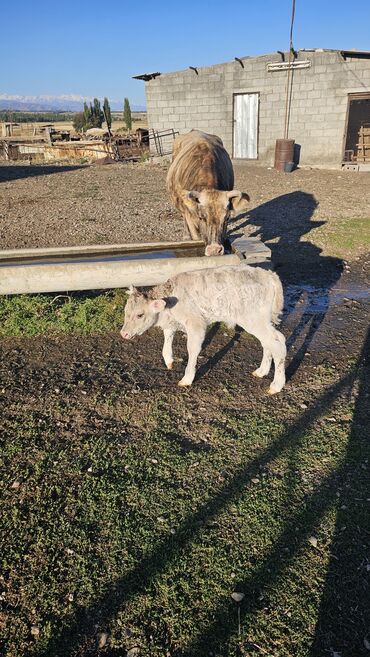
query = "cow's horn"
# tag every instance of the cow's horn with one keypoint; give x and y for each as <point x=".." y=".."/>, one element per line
<point x="234" y="194"/>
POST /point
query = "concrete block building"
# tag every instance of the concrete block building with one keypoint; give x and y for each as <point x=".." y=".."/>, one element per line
<point x="244" y="102"/>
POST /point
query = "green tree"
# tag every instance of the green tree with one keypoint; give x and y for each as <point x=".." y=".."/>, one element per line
<point x="79" y="122"/>
<point x="127" y="114"/>
<point x="96" y="114"/>
<point x="107" y="112"/>
<point x="87" y="116"/>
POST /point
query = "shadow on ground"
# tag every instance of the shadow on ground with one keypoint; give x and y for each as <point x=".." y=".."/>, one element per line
<point x="14" y="172"/>
<point x="283" y="223"/>
<point x="344" y="615"/>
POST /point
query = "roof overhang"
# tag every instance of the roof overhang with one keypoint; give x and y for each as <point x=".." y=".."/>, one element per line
<point x="355" y="54"/>
<point x="145" y="76"/>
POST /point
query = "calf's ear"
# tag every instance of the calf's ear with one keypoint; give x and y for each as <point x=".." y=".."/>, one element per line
<point x="133" y="290"/>
<point x="157" y="305"/>
<point x="239" y="201"/>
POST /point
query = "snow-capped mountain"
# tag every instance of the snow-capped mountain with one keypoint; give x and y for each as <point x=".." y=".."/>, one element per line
<point x="63" y="103"/>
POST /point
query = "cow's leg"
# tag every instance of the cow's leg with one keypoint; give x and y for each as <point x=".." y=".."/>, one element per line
<point x="168" y="335"/>
<point x="195" y="337"/>
<point x="186" y="233"/>
<point x="273" y="345"/>
<point x="192" y="225"/>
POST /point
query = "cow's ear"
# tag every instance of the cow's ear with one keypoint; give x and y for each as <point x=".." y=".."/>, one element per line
<point x="191" y="199"/>
<point x="239" y="201"/>
<point x="157" y="305"/>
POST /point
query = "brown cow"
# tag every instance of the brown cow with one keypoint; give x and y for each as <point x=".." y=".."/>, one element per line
<point x="200" y="182"/>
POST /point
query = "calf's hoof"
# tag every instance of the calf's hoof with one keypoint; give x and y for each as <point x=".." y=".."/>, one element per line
<point x="184" y="383"/>
<point x="273" y="390"/>
<point x="258" y="374"/>
<point x="169" y="365"/>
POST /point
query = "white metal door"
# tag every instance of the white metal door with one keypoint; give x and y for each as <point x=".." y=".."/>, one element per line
<point x="245" y="125"/>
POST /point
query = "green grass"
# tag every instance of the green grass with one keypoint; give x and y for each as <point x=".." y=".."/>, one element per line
<point x="345" y="238"/>
<point x="37" y="314"/>
<point x="142" y="530"/>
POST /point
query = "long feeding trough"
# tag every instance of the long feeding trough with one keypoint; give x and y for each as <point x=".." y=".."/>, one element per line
<point x="110" y="266"/>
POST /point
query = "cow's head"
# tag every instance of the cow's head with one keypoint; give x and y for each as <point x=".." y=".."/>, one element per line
<point x="140" y="313"/>
<point x="213" y="209"/>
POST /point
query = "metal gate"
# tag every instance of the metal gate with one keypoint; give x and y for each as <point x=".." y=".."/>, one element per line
<point x="245" y="126"/>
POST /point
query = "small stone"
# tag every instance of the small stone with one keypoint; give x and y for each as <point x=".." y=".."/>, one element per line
<point x="15" y="484"/>
<point x="70" y="597"/>
<point x="89" y="469"/>
<point x="172" y="531"/>
<point x="133" y="652"/>
<point x="313" y="541"/>
<point x="102" y="639"/>
<point x="161" y="519"/>
<point x="232" y="575"/>
<point x="255" y="480"/>
<point x="57" y="390"/>
<point x="154" y="461"/>
<point x="35" y="631"/>
<point x="302" y="405"/>
<point x="237" y="596"/>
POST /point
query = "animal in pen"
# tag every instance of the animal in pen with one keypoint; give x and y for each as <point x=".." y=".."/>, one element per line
<point x="250" y="297"/>
<point x="200" y="182"/>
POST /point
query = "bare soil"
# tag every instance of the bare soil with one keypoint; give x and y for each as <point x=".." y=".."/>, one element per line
<point x="60" y="205"/>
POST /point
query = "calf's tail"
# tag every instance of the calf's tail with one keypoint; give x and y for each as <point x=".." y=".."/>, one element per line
<point x="278" y="299"/>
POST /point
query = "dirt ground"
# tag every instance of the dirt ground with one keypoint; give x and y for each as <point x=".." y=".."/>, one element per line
<point x="64" y="398"/>
<point x="63" y="205"/>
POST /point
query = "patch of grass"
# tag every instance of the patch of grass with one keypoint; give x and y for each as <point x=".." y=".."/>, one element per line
<point x="344" y="238"/>
<point x="143" y="529"/>
<point x="29" y="315"/>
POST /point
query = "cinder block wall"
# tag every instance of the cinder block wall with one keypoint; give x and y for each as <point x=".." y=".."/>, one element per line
<point x="184" y="100"/>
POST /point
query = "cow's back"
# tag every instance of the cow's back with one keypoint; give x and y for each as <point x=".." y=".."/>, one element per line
<point x="200" y="161"/>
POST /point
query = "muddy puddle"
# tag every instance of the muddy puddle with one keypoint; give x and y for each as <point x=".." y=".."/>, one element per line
<point x="318" y="299"/>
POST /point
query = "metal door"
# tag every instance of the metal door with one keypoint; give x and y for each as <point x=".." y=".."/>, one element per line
<point x="245" y="126"/>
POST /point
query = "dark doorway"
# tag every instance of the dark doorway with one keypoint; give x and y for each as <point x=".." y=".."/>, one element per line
<point x="357" y="139"/>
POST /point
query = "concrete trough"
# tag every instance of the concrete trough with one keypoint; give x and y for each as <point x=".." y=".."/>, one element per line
<point x="30" y="271"/>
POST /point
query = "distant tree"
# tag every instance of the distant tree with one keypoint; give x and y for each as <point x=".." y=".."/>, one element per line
<point x="107" y="112"/>
<point x="127" y="114"/>
<point x="97" y="116"/>
<point x="79" y="122"/>
<point x="87" y="116"/>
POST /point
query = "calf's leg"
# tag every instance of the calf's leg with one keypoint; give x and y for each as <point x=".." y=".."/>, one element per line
<point x="273" y="344"/>
<point x="167" y="347"/>
<point x="278" y="349"/>
<point x="195" y="337"/>
<point x="265" y="366"/>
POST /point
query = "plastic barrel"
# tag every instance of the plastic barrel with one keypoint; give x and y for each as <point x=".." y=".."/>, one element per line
<point x="284" y="152"/>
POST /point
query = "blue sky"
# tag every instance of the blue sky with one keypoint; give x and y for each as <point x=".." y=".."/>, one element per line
<point x="93" y="48"/>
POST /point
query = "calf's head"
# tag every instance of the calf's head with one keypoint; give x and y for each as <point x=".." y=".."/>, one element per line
<point x="140" y="313"/>
<point x="212" y="209"/>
